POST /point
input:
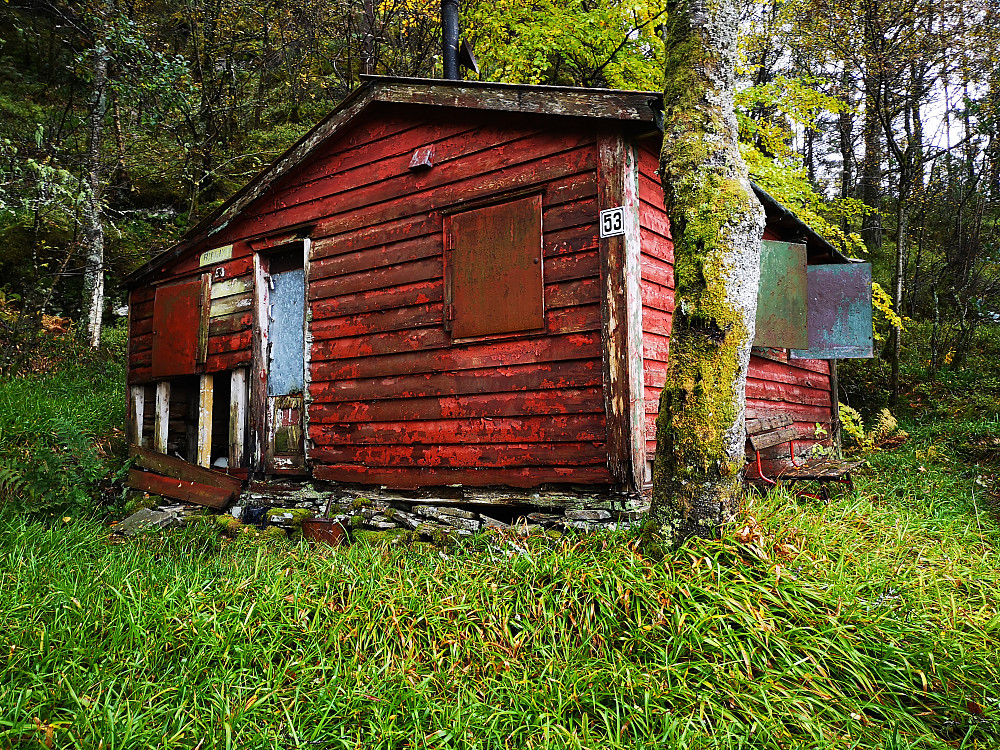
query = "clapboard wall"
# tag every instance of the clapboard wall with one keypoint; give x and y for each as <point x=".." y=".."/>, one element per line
<point x="393" y="400"/>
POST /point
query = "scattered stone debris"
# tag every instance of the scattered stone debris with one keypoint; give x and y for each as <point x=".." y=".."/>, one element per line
<point x="279" y="507"/>
<point x="145" y="519"/>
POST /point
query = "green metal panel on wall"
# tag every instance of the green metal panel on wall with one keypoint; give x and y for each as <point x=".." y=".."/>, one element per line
<point x="782" y="309"/>
<point x="840" y="312"/>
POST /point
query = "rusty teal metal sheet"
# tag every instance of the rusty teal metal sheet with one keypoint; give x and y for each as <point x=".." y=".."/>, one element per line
<point x="840" y="312"/>
<point x="781" y="298"/>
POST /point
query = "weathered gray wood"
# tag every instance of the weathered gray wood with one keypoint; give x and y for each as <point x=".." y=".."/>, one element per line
<point x="237" y="418"/>
<point x="229" y="287"/>
<point x="621" y="312"/>
<point x="161" y="422"/>
<point x="206" y="400"/>
<point x="138" y="408"/>
<point x="206" y="309"/>
<point x="767" y="439"/>
<point x="231" y="304"/>
<point x="763" y="424"/>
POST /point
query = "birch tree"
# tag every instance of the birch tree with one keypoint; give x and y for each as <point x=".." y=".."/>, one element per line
<point x="717" y="224"/>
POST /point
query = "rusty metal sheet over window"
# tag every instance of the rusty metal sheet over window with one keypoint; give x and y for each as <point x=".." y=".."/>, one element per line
<point x="496" y="269"/>
<point x="177" y="320"/>
<point x="840" y="312"/>
<point x="781" y="297"/>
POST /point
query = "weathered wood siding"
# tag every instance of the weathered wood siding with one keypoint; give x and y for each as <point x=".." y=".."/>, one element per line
<point x="798" y="387"/>
<point x="657" y="288"/>
<point x="393" y="399"/>
<point x="229" y="324"/>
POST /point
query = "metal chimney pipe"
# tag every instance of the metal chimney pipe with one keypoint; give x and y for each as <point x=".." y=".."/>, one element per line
<point x="449" y="38"/>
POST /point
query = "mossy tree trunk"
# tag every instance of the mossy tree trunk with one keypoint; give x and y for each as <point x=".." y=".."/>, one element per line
<point x="717" y="223"/>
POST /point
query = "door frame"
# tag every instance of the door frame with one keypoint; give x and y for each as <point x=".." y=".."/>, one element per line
<point x="261" y="419"/>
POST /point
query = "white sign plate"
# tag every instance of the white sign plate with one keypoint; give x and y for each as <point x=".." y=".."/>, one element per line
<point x="612" y="221"/>
<point x="216" y="255"/>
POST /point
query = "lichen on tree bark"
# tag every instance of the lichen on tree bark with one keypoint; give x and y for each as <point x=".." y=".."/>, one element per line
<point x="716" y="223"/>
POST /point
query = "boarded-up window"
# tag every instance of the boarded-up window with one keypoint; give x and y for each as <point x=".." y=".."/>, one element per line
<point x="179" y="323"/>
<point x="840" y="312"/>
<point x="781" y="298"/>
<point x="495" y="269"/>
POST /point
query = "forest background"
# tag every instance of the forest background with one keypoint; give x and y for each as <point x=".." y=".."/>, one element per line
<point x="121" y="124"/>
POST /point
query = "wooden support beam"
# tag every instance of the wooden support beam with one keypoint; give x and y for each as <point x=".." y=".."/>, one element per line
<point x="161" y="420"/>
<point x="179" y="489"/>
<point x="205" y="404"/>
<point x="621" y="309"/>
<point x="237" y="418"/>
<point x="137" y="412"/>
<point x="178" y="468"/>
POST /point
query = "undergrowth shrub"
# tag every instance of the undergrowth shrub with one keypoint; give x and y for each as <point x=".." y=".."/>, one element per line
<point x="61" y="436"/>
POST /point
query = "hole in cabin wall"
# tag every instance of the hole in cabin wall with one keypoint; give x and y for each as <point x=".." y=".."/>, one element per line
<point x="182" y="429"/>
<point x="222" y="386"/>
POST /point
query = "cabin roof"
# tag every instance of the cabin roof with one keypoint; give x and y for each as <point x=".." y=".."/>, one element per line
<point x="641" y="107"/>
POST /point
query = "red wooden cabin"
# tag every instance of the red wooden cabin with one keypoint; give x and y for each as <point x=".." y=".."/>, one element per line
<point x="417" y="294"/>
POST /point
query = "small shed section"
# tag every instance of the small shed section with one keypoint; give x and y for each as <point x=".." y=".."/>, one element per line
<point x="424" y="291"/>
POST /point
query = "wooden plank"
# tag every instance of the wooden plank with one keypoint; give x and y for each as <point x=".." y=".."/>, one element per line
<point x="380" y="321"/>
<point x="569" y="241"/>
<point x="553" y="348"/>
<point x="540" y="429"/>
<point x="468" y="406"/>
<point x="235" y="303"/>
<point x="162" y="418"/>
<point x="231" y="342"/>
<point x="382" y="343"/>
<point x="362" y="261"/>
<point x="237" y="418"/>
<point x="622" y="314"/>
<point x="571" y="293"/>
<point x="232" y="323"/>
<point x="375" y="235"/>
<point x="657" y="271"/>
<point x="206" y="306"/>
<point x="389" y="181"/>
<point x="231" y="286"/>
<point x="379" y="299"/>
<point x="781" y="372"/>
<point x="176" y="468"/>
<point x="765" y="389"/>
<point x="461" y="455"/>
<point x="529" y="174"/>
<point x="412" y="478"/>
<point x="178" y="489"/>
<point x="532" y="377"/>
<point x="582" y="265"/>
<point x="768" y="439"/>
<point x="137" y="412"/>
<point x="772" y="422"/>
<point x="206" y="400"/>
<point x="227" y="361"/>
<point x="379" y="278"/>
<point x="480" y="146"/>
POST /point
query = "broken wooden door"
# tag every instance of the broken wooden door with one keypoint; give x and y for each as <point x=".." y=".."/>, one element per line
<point x="286" y="364"/>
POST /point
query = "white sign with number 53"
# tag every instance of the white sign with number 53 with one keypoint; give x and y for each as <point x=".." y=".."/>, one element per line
<point x="612" y="221"/>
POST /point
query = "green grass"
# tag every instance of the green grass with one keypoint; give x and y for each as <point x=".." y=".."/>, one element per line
<point x="61" y="435"/>
<point x="873" y="622"/>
